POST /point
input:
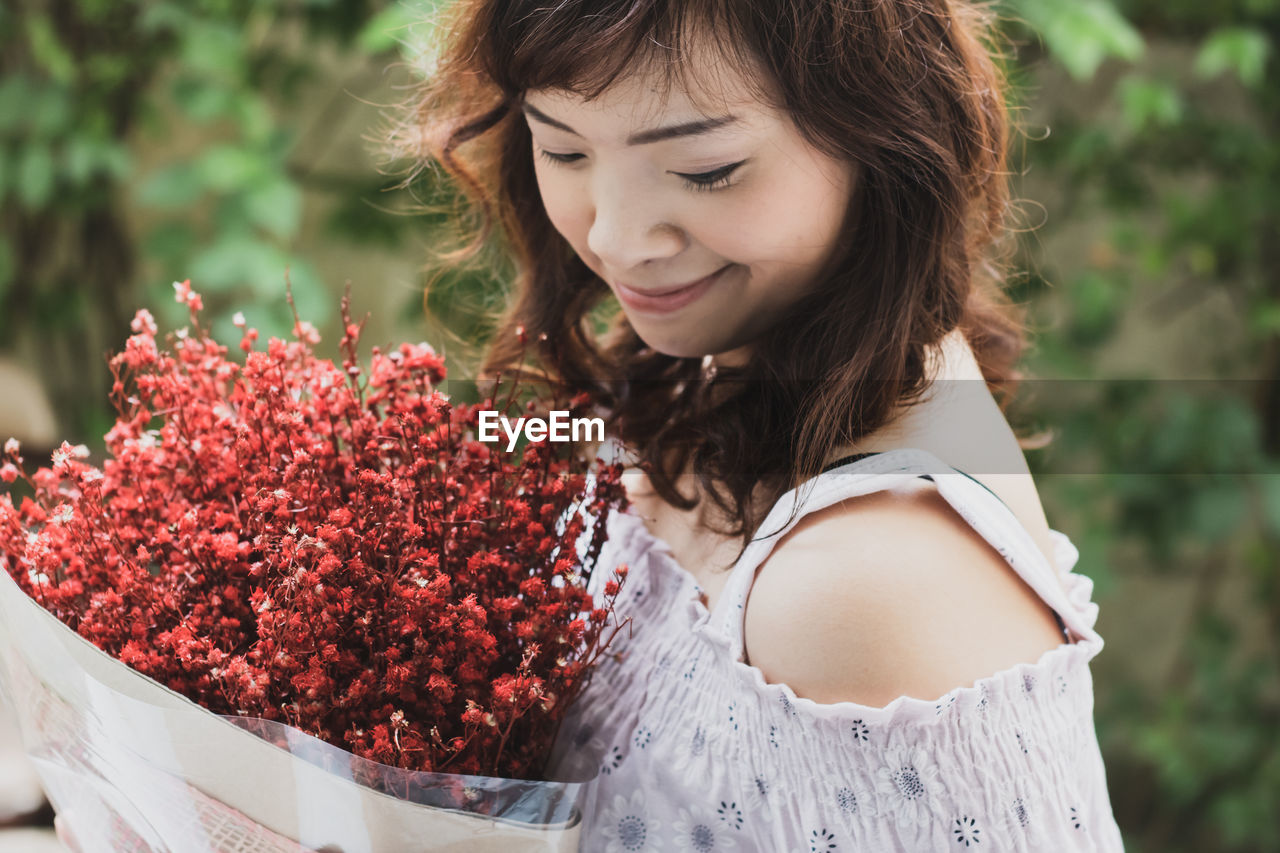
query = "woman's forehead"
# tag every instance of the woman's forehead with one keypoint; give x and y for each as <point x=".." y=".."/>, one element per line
<point x="649" y="92"/>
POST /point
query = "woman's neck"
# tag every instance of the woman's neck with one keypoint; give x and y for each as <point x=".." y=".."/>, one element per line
<point x="954" y="378"/>
<point x="953" y="418"/>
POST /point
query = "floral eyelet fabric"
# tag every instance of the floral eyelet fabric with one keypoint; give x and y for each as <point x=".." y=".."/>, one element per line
<point x="699" y="753"/>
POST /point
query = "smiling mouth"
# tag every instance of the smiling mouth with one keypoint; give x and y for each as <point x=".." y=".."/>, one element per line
<point x="670" y="290"/>
<point x="671" y="299"/>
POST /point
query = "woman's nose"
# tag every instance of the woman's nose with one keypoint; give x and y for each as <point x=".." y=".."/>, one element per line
<point x="626" y="231"/>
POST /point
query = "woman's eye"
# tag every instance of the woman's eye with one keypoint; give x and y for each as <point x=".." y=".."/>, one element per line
<point x="715" y="179"/>
<point x="559" y="158"/>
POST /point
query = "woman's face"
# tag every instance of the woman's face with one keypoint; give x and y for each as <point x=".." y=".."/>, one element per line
<point x="656" y="194"/>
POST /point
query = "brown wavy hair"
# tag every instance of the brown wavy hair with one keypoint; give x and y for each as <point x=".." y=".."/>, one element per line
<point x="906" y="89"/>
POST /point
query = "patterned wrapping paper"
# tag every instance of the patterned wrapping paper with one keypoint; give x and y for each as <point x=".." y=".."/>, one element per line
<point x="133" y="766"/>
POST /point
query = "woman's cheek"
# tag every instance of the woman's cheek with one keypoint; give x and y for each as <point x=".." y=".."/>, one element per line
<point x="745" y="227"/>
<point x="806" y="205"/>
<point x="564" y="212"/>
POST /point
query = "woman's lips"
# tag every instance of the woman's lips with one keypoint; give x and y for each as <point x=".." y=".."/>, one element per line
<point x="669" y="300"/>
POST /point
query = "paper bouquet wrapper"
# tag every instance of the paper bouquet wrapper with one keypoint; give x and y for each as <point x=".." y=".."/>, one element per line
<point x="133" y="766"/>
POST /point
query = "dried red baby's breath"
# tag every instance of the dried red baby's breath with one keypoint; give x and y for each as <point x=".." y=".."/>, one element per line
<point x="286" y="541"/>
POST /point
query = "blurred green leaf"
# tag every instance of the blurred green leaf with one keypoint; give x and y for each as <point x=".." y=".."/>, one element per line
<point x="116" y="160"/>
<point x="314" y="300"/>
<point x="1148" y="102"/>
<point x="1153" y="260"/>
<point x="1082" y="33"/>
<point x="254" y="115"/>
<point x="1218" y="510"/>
<point x="211" y="49"/>
<point x="107" y="69"/>
<point x="276" y="206"/>
<point x="1241" y="50"/>
<point x="227" y="168"/>
<point x="35" y="177"/>
<point x="1096" y="299"/>
<point x="86" y="156"/>
<point x="14" y="97"/>
<point x="202" y="100"/>
<point x="78" y="160"/>
<point x="237" y="261"/>
<point x="48" y="49"/>
<point x="388" y="28"/>
<point x="1202" y="259"/>
<point x="170" y="243"/>
<point x="1266" y="319"/>
<point x="7" y="169"/>
<point x="172" y="187"/>
<point x="160" y="16"/>
<point x="1269" y="485"/>
<point x="273" y="317"/>
<point x="48" y="111"/>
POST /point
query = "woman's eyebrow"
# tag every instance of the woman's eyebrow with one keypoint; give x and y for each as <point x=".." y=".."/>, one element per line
<point x="644" y="137"/>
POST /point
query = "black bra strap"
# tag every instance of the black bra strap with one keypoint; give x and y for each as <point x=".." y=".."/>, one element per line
<point x="846" y="460"/>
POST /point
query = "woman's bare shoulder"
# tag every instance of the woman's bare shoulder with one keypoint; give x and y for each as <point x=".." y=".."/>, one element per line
<point x="890" y="594"/>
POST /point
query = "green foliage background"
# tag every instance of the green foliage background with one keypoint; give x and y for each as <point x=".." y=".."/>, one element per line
<point x="222" y="140"/>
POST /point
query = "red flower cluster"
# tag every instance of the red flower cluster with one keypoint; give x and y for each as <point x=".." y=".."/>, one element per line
<point x="285" y="540"/>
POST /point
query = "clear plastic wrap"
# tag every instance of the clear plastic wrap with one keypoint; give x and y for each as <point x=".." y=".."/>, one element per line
<point x="134" y="766"/>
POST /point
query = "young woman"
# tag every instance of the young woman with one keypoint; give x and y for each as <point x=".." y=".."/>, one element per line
<point x="852" y="628"/>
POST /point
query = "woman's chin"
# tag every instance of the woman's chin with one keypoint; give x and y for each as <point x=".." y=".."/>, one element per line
<point x="725" y="352"/>
<point x="675" y="349"/>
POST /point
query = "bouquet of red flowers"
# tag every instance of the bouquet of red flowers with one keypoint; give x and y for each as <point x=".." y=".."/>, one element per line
<point x="300" y="555"/>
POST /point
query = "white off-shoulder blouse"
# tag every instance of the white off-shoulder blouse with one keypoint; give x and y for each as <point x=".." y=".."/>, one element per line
<point x="699" y="753"/>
